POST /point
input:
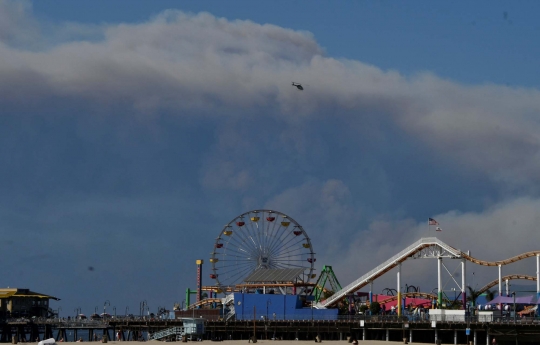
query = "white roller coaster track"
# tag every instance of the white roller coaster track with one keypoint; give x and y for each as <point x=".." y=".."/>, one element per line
<point x="388" y="265"/>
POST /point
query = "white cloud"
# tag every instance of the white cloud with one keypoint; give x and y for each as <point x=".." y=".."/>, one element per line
<point x="17" y="26"/>
<point x="199" y="63"/>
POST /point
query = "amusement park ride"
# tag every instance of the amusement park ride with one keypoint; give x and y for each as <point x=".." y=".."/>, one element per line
<point x="266" y="252"/>
<point x="262" y="240"/>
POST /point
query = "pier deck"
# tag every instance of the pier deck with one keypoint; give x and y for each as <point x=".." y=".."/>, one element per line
<point x="369" y="328"/>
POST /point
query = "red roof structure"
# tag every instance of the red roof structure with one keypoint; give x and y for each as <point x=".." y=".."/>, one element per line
<point x="416" y="302"/>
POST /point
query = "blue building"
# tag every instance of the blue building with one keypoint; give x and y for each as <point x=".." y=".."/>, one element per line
<point x="279" y="307"/>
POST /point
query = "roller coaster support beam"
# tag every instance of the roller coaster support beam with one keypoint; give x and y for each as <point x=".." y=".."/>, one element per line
<point x="507" y="290"/>
<point x="399" y="289"/>
<point x="500" y="280"/>
<point x="463" y="284"/>
<point x="439" y="282"/>
<point x="538" y="274"/>
<point x="500" y="284"/>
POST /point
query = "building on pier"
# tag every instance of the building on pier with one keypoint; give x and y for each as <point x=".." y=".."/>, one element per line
<point x="15" y="302"/>
<point x="278" y="307"/>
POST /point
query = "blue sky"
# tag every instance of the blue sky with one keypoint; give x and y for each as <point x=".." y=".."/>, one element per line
<point x="131" y="132"/>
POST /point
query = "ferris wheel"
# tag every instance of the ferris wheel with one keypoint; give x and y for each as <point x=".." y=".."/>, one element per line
<point x="260" y="239"/>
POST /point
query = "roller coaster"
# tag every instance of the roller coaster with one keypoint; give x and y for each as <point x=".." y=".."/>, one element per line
<point x="206" y="301"/>
<point x="502" y="262"/>
<point x="425" y="295"/>
<point x="431" y="247"/>
<point x="508" y="277"/>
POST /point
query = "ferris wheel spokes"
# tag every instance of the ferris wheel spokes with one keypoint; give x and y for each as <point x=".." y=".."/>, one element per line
<point x="260" y="239"/>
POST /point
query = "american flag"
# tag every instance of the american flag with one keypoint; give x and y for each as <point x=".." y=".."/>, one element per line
<point x="433" y="222"/>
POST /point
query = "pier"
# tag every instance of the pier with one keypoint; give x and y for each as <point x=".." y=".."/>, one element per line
<point x="383" y="328"/>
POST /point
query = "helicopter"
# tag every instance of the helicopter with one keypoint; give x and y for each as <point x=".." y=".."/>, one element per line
<point x="298" y="86"/>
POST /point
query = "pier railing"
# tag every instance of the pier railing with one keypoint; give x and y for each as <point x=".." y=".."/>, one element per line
<point x="411" y="318"/>
<point x="400" y="319"/>
<point x="80" y="323"/>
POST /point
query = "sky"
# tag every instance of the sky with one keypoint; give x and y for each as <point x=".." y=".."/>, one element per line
<point x="131" y="132"/>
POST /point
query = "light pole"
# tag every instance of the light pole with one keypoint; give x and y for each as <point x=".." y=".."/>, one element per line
<point x="182" y="306"/>
<point x="267" y="303"/>
<point x="127" y="309"/>
<point x="114" y="308"/>
<point x="107" y="303"/>
<point x="95" y="310"/>
<point x="275" y="326"/>
<point x="223" y="309"/>
<point x="514" y="295"/>
<point x="141" y="309"/>
<point x="265" y="326"/>
<point x="58" y="311"/>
